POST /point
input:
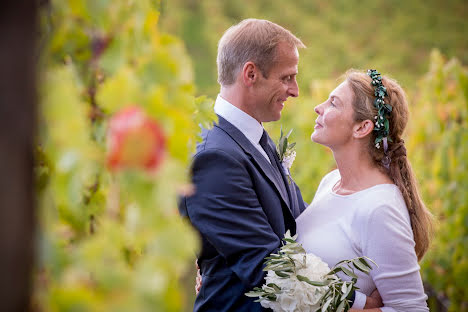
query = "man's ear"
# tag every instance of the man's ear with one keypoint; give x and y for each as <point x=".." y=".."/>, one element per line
<point x="249" y="73"/>
<point x="362" y="129"/>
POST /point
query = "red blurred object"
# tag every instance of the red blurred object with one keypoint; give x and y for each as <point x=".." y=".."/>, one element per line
<point x="134" y="141"/>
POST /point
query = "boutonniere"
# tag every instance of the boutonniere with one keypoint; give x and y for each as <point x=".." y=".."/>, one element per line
<point x="286" y="152"/>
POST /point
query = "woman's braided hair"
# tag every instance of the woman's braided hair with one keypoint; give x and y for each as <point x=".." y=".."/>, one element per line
<point x="399" y="169"/>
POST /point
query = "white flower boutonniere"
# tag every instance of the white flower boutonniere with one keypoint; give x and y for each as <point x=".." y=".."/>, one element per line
<point x="286" y="152"/>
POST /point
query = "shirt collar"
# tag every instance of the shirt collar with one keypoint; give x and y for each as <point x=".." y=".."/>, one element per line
<point x="248" y="125"/>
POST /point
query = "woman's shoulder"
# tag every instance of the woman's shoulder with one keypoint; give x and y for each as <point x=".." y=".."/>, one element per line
<point x="386" y="191"/>
<point x="329" y="180"/>
<point x="382" y="200"/>
<point x="334" y="174"/>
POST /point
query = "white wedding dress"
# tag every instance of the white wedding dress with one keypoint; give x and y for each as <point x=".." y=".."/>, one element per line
<point x="374" y="223"/>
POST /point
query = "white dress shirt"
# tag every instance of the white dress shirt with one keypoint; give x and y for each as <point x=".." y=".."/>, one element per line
<point x="249" y="126"/>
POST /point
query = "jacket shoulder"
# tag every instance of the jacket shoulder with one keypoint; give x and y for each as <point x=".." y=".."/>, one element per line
<point x="218" y="139"/>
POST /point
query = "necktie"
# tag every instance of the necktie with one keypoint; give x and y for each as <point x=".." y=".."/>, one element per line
<point x="274" y="163"/>
<point x="266" y="147"/>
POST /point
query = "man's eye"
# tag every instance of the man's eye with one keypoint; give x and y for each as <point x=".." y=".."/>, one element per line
<point x="288" y="78"/>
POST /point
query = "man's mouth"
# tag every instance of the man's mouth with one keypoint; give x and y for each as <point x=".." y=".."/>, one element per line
<point x="282" y="101"/>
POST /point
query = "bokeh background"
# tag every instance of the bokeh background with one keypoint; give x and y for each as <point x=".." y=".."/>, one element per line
<point x="111" y="239"/>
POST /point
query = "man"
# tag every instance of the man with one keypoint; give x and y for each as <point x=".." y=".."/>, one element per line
<point x="243" y="202"/>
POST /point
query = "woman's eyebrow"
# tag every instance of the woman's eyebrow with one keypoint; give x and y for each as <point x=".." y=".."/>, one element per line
<point x="336" y="97"/>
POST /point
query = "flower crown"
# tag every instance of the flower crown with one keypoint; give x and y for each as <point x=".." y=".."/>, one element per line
<point x="382" y="127"/>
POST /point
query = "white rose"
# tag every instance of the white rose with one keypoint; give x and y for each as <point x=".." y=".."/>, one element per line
<point x="288" y="160"/>
<point x="296" y="295"/>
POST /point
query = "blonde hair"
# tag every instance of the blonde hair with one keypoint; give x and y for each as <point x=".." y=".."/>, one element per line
<point x="400" y="170"/>
<point x="251" y="40"/>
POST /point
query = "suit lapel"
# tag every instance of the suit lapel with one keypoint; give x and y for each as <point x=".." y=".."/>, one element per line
<point x="248" y="148"/>
<point x="289" y="186"/>
<point x="283" y="174"/>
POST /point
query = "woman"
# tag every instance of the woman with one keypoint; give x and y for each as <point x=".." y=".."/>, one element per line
<point x="370" y="206"/>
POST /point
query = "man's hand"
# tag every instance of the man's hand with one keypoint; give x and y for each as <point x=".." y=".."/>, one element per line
<point x="374" y="301"/>
<point x="198" y="280"/>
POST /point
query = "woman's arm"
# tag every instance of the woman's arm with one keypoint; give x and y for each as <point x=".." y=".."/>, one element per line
<point x="387" y="239"/>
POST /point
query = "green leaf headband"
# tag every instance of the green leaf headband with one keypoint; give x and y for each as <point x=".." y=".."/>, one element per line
<point x="382" y="127"/>
<point x="383" y="110"/>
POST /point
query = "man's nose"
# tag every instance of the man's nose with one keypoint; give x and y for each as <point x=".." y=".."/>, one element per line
<point x="293" y="89"/>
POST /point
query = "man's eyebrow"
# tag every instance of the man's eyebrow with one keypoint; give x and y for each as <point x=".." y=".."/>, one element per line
<point x="290" y="74"/>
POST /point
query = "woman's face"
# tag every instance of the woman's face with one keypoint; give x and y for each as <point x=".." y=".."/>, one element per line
<point x="334" y="124"/>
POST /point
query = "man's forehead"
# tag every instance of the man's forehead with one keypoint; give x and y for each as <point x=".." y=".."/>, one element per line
<point x="288" y="50"/>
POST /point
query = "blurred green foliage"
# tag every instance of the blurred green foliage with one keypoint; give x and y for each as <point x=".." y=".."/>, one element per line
<point x="111" y="241"/>
<point x="438" y="145"/>
<point x="393" y="36"/>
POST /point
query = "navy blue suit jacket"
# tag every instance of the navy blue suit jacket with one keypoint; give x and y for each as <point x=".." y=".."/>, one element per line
<point x="242" y="209"/>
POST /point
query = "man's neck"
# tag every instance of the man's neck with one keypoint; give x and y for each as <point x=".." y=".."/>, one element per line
<point x="236" y="96"/>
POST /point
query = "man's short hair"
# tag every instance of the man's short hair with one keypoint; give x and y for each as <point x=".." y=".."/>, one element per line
<point x="251" y="40"/>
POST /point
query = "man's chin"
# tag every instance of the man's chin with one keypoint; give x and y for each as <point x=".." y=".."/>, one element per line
<point x="273" y="118"/>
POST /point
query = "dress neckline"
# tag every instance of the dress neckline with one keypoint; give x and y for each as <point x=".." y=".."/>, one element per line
<point x="382" y="185"/>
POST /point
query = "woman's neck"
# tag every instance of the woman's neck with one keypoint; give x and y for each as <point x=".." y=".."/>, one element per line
<point x="357" y="171"/>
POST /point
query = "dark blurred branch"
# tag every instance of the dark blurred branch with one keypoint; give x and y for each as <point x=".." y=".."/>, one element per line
<point x="437" y="302"/>
<point x="18" y="31"/>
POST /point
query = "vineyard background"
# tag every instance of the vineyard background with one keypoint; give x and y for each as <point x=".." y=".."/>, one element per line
<point x="112" y="240"/>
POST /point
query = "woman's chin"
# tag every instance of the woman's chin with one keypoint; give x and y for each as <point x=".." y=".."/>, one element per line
<point x="314" y="137"/>
<point x="317" y="139"/>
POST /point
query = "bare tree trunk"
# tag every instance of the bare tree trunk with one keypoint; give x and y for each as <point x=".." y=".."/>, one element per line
<point x="18" y="31"/>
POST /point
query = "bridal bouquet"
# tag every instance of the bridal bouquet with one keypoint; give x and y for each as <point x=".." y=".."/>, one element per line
<point x="300" y="281"/>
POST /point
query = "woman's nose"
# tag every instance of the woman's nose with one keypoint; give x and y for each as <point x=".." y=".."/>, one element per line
<point x="318" y="109"/>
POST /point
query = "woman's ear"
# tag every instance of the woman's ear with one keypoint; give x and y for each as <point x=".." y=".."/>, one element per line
<point x="249" y="73"/>
<point x="362" y="129"/>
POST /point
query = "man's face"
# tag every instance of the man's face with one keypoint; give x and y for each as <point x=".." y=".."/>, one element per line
<point x="272" y="92"/>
